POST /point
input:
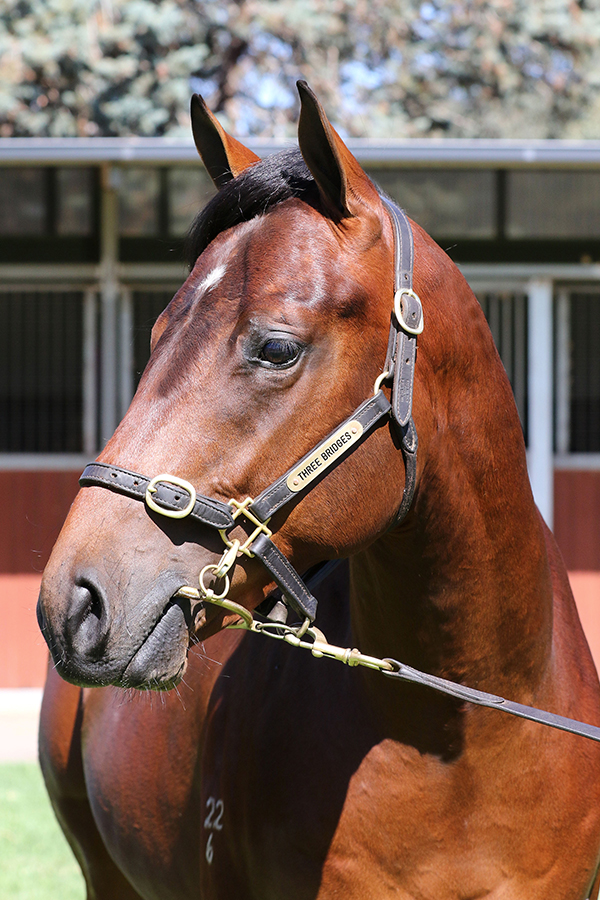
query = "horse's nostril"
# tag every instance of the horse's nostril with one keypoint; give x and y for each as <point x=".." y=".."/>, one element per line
<point x="87" y="620"/>
<point x="41" y="618"/>
<point x="95" y="604"/>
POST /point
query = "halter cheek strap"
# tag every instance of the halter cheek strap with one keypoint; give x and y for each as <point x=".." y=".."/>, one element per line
<point x="406" y="324"/>
<point x="175" y="498"/>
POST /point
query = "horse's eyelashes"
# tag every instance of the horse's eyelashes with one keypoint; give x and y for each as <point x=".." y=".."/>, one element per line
<point x="279" y="352"/>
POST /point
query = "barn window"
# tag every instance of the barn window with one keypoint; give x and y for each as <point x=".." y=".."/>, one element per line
<point x="577" y="371"/>
<point x="553" y="204"/>
<point x="448" y="202"/>
<point x="506" y="312"/>
<point x="41" y="371"/>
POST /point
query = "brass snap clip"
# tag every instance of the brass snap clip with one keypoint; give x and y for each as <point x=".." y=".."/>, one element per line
<point x="227" y="560"/>
<point x="207" y="592"/>
<point x="176" y="482"/>
<point x="208" y="595"/>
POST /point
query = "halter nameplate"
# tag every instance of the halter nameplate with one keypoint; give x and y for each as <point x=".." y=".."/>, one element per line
<point x="324" y="455"/>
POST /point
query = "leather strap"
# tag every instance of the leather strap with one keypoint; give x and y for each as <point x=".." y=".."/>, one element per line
<point x="492" y="701"/>
<point x="274" y="607"/>
<point x="172" y="498"/>
<point x="368" y="415"/>
<point x="409" y="452"/>
<point x="285" y="576"/>
<point x="402" y="391"/>
<point x="402" y="347"/>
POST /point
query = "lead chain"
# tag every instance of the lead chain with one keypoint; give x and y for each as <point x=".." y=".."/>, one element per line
<point x="310" y="638"/>
<point x="305" y="636"/>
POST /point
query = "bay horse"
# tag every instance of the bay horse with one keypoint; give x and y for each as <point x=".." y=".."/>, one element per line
<point x="264" y="772"/>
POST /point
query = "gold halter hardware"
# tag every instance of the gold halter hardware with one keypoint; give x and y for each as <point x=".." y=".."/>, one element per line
<point x="241" y="509"/>
<point x="233" y="549"/>
<point x="400" y="315"/>
<point x="207" y="595"/>
<point x="379" y="381"/>
<point x="165" y="478"/>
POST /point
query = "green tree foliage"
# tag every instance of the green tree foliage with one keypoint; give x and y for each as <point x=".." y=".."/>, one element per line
<point x="384" y="68"/>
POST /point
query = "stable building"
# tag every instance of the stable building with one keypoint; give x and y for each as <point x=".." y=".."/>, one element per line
<point x="91" y="235"/>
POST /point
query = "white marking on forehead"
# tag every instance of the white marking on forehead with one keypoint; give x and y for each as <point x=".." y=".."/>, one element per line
<point x="212" y="278"/>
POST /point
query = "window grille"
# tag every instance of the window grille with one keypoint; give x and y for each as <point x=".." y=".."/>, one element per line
<point x="22" y="201"/>
<point x="189" y="190"/>
<point x="41" y="371"/>
<point x="455" y="202"/>
<point x="36" y="202"/>
<point x="74" y="190"/>
<point x="161" y="201"/>
<point x="583" y="371"/>
<point x="147" y="306"/>
<point x="553" y="204"/>
<point x="506" y="313"/>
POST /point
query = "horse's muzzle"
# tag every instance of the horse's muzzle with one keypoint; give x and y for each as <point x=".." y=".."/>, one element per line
<point x="142" y="647"/>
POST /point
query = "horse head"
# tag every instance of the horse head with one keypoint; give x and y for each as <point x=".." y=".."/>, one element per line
<point x="278" y="333"/>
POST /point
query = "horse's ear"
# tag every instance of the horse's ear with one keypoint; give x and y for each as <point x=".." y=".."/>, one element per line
<point x="223" y="156"/>
<point x="342" y="183"/>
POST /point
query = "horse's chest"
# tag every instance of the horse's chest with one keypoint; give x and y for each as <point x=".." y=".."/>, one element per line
<point x="387" y="821"/>
<point x="300" y="804"/>
<point x="418" y="827"/>
<point x="297" y="799"/>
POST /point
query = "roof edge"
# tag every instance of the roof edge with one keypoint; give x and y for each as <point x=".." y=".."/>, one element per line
<point x="434" y="151"/>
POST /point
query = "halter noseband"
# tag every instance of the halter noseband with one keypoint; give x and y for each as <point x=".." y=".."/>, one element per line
<point x="173" y="497"/>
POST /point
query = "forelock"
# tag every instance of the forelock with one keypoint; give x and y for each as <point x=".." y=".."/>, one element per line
<point x="256" y="190"/>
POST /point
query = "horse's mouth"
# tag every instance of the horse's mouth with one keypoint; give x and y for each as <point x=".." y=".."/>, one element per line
<point x="161" y="660"/>
<point x="157" y="660"/>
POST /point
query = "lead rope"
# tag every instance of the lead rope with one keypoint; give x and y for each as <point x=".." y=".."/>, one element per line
<point x="308" y="637"/>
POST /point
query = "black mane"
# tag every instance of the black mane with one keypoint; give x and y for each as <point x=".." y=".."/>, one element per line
<point x="271" y="181"/>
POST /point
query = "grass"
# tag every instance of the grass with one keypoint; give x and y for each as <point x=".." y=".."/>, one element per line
<point x="36" y="862"/>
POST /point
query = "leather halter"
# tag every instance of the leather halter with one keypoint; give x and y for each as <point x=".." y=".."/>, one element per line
<point x="175" y="498"/>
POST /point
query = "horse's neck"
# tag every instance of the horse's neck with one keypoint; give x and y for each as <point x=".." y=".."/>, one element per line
<point x="463" y="588"/>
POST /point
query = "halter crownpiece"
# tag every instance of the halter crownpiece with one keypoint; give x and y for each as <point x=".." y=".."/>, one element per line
<point x="171" y="496"/>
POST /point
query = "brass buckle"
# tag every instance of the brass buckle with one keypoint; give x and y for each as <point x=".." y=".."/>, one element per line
<point x="260" y="527"/>
<point x="412" y="329"/>
<point x="178" y="482"/>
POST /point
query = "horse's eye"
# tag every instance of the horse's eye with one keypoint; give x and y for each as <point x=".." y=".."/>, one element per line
<point x="279" y="352"/>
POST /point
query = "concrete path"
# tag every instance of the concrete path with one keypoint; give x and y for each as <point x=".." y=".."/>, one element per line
<point x="19" y="715"/>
